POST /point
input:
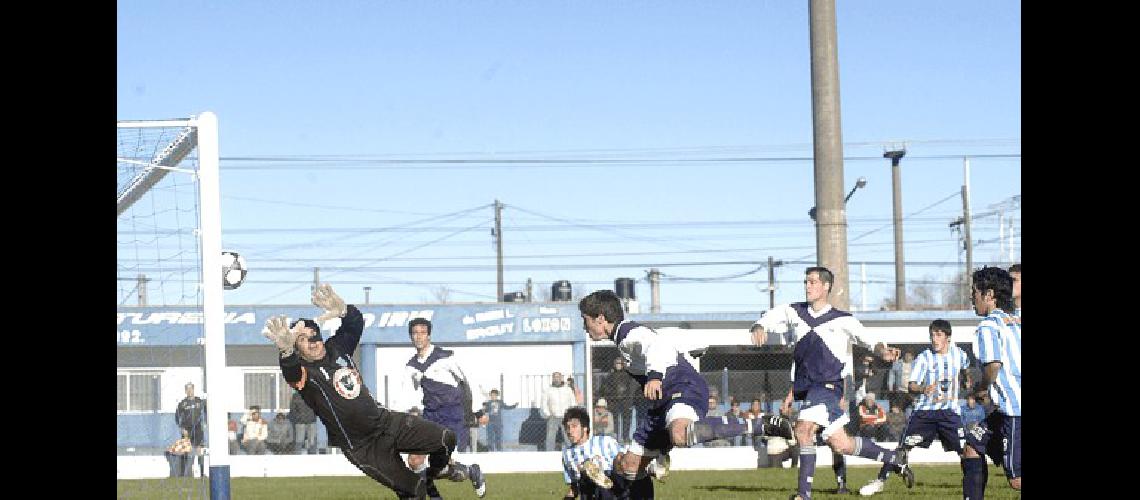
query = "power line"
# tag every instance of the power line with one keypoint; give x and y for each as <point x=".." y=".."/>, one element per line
<point x="470" y="164"/>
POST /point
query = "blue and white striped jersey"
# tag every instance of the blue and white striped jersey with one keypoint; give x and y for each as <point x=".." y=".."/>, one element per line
<point x="605" y="447"/>
<point x="999" y="339"/>
<point x="945" y="371"/>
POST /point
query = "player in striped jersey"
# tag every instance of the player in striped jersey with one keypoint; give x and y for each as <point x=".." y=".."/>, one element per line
<point x="998" y="350"/>
<point x="823" y="336"/>
<point x="678" y="395"/>
<point x="370" y="436"/>
<point x="588" y="463"/>
<point x="935" y="378"/>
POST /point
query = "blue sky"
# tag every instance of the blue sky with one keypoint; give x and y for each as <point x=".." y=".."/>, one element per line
<point x="706" y="105"/>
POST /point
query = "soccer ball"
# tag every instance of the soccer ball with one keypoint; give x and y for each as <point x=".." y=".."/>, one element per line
<point x="233" y="270"/>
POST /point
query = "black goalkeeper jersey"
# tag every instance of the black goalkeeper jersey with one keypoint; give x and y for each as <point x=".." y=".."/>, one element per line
<point x="334" y="389"/>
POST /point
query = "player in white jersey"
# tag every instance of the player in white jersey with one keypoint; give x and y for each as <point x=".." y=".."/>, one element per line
<point x="588" y="463"/>
<point x="935" y="378"/>
<point x="823" y="337"/>
<point x="998" y="350"/>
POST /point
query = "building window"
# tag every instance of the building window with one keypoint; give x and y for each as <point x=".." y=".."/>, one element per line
<point x="139" y="391"/>
<point x="267" y="390"/>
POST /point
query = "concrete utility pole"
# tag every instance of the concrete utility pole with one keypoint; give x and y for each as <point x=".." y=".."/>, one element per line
<point x="655" y="290"/>
<point x="772" y="263"/>
<point x="316" y="278"/>
<point x="827" y="140"/>
<point x="366" y="290"/>
<point x="966" y="224"/>
<point x="900" y="273"/>
<point x="529" y="290"/>
<point x="142" y="289"/>
<point x="499" y="248"/>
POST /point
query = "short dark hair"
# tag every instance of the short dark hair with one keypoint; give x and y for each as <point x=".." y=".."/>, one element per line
<point x="602" y="302"/>
<point x="577" y="413"/>
<point x="1016" y="268"/>
<point x="419" y="321"/>
<point x="825" y="276"/>
<point x="940" y="325"/>
<point x="998" y="280"/>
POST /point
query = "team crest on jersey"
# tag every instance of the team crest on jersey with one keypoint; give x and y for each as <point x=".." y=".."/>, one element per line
<point x="347" y="382"/>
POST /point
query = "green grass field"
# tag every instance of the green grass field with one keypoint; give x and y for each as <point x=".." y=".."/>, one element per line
<point x="932" y="481"/>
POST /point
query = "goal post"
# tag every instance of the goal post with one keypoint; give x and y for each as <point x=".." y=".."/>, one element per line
<point x="169" y="237"/>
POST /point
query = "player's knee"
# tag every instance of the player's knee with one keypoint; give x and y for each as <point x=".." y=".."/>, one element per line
<point x="1015" y="483"/>
<point x="679" y="435"/>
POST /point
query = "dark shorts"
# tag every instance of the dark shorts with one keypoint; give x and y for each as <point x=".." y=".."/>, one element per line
<point x="925" y="425"/>
<point x="623" y="488"/>
<point x="999" y="437"/>
<point x="681" y="385"/>
<point x="451" y="418"/>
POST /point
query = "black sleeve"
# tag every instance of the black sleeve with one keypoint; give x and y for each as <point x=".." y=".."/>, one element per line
<point x="178" y="413"/>
<point x="347" y="337"/>
<point x="291" y="368"/>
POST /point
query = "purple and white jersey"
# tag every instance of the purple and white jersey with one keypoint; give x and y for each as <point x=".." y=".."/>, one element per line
<point x="999" y="339"/>
<point x="943" y="370"/>
<point x="438" y="375"/>
<point x="824" y="351"/>
<point x="647" y="354"/>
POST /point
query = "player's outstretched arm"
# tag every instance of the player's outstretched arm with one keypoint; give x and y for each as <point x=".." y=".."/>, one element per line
<point x="325" y="298"/>
<point x="277" y="331"/>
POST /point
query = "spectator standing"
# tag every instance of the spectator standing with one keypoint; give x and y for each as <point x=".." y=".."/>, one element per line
<point x="555" y="401"/>
<point x="898" y="381"/>
<point x="620" y="390"/>
<point x="493" y="408"/>
<point x="304" y="422"/>
<point x="191" y="417"/>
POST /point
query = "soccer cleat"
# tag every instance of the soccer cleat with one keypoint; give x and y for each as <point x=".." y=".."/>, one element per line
<point x="776" y="425"/>
<point x="477" y="479"/>
<point x="596" y="474"/>
<point x="905" y="472"/>
<point x="907" y="475"/>
<point x="842" y="490"/>
<point x="795" y="496"/>
<point x="875" y="486"/>
<point x="660" y="467"/>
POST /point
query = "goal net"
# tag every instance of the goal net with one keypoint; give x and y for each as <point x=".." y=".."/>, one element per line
<point x="169" y="274"/>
